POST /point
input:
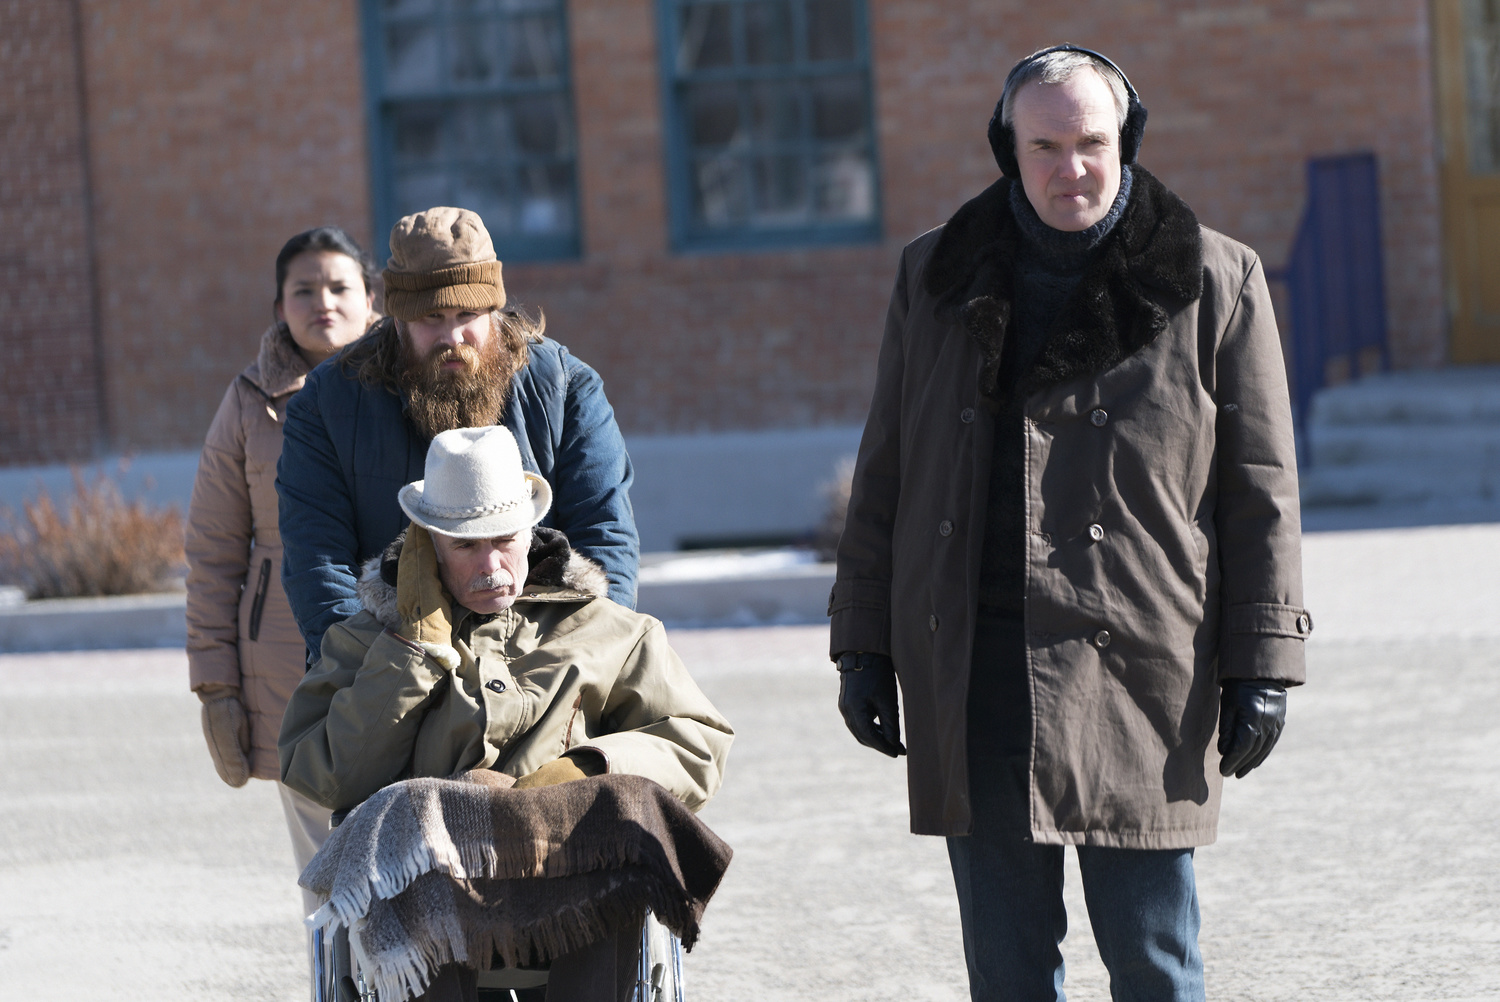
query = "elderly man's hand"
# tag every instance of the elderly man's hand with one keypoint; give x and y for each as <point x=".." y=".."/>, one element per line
<point x="574" y="765"/>
<point x="425" y="610"/>
<point x="1251" y="715"/>
<point x="867" y="694"/>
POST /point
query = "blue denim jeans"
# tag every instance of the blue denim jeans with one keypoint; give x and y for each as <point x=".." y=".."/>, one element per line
<point x="1142" y="903"/>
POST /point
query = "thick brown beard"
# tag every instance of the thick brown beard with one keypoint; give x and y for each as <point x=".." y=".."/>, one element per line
<point x="472" y="397"/>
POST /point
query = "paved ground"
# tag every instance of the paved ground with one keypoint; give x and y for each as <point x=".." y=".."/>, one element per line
<point x="1362" y="862"/>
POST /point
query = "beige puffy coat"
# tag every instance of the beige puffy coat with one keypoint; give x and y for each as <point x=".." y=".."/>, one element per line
<point x="564" y="668"/>
<point x="240" y="628"/>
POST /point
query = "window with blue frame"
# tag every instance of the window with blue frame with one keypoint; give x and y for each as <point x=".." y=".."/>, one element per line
<point x="472" y="106"/>
<point x="771" y="122"/>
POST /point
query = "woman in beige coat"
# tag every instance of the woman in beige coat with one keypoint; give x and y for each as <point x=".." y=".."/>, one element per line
<point x="245" y="653"/>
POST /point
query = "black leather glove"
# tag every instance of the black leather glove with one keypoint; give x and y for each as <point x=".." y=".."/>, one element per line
<point x="867" y="693"/>
<point x="1251" y="715"/>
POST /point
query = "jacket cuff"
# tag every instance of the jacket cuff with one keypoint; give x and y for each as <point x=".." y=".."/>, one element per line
<point x="390" y="638"/>
<point x="861" y="617"/>
<point x="599" y="756"/>
<point x="1264" y="640"/>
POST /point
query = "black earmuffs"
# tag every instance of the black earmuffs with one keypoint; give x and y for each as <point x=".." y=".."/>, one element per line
<point x="1003" y="137"/>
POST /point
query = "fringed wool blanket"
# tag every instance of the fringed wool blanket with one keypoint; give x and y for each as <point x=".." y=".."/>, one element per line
<point x="466" y="870"/>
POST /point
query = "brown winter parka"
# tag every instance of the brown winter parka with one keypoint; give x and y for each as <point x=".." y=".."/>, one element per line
<point x="1163" y="538"/>
<point x="240" y="628"/>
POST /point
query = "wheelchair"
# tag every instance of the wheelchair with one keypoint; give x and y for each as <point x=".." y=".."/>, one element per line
<point x="337" y="978"/>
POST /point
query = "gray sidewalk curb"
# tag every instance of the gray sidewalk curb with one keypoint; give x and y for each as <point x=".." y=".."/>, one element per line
<point x="133" y="621"/>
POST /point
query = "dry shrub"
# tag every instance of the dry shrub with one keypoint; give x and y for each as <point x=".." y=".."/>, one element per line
<point x="97" y="545"/>
<point x="835" y="508"/>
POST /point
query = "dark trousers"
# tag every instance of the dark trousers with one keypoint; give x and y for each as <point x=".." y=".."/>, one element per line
<point x="1143" y="904"/>
<point x="604" y="971"/>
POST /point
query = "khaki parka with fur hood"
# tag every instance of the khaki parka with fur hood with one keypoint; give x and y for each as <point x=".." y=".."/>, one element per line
<point x="564" y="668"/>
<point x="240" y="627"/>
<point x="1162" y="526"/>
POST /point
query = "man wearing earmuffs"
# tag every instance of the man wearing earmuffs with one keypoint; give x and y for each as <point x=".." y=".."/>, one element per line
<point x="1074" y="538"/>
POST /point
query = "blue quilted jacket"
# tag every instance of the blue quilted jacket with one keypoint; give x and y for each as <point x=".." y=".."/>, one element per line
<point x="348" y="448"/>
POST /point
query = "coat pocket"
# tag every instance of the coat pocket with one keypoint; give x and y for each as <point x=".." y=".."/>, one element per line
<point x="259" y="605"/>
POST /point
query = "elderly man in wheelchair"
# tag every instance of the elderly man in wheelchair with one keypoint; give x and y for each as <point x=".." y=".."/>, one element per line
<point x="488" y="664"/>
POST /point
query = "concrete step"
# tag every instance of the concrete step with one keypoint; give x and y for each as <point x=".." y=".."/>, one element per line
<point x="1386" y="442"/>
<point x="1453" y="395"/>
<point x="1399" y="483"/>
<point x="1407" y="439"/>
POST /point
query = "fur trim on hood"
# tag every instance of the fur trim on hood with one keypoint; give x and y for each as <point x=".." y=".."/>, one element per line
<point x="554" y="566"/>
<point x="1155" y="253"/>
<point x="280" y="367"/>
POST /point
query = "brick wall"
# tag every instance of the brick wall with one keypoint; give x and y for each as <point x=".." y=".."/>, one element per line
<point x="49" y="406"/>
<point x="219" y="129"/>
<point x="1240" y="95"/>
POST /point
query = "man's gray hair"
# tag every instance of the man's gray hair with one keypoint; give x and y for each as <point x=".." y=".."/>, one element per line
<point x="1056" y="67"/>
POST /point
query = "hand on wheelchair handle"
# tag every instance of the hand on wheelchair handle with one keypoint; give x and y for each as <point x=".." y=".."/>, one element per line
<point x="227" y="730"/>
<point x="869" y="702"/>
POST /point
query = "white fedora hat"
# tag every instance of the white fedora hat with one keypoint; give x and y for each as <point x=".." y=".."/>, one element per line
<point x="475" y="486"/>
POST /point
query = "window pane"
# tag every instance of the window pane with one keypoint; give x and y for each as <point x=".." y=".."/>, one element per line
<point x="775" y="113"/>
<point x="399" y="7"/>
<point x="545" y="199"/>
<point x="713" y="114"/>
<point x="830" y="29"/>
<point x="539" y="125"/>
<point x="417" y="128"/>
<point x="780" y="189"/>
<point x="488" y="193"/>
<point x="417" y="190"/>
<point x="704" y="37"/>
<point x="474" y="52"/>
<point x="478" y="131"/>
<point x="535" y="45"/>
<point x="838" y="108"/>
<point x="771" y="115"/>
<point x="845" y="185"/>
<point x="411" y="58"/>
<point x="477" y="111"/>
<point x="768" y="32"/>
<point x="719" y="197"/>
<point x="1482" y="70"/>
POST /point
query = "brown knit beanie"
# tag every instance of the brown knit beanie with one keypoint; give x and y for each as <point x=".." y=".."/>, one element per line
<point x="441" y="258"/>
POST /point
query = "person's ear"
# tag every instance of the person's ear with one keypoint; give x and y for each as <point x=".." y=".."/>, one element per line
<point x="280" y="313"/>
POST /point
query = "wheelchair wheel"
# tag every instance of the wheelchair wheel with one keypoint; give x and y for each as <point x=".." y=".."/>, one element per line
<point x="336" y="977"/>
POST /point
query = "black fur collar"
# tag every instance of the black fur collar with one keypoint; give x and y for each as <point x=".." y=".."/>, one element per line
<point x="1155" y="252"/>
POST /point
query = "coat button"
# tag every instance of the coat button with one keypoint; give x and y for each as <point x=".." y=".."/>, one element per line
<point x="945" y="528"/>
<point x="1304" y="624"/>
<point x="495" y="685"/>
<point x="966" y="415"/>
<point x="932" y="623"/>
<point x="1096" y="532"/>
<point x="1101" y="639"/>
<point x="1099" y="417"/>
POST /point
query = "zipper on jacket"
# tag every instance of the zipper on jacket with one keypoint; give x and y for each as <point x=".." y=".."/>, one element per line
<point x="259" y="605"/>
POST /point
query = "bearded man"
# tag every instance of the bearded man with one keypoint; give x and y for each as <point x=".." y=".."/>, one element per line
<point x="449" y="354"/>
<point x="1074" y="537"/>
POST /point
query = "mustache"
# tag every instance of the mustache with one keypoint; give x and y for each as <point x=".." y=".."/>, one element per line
<point x="441" y="353"/>
<point x="492" y="581"/>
